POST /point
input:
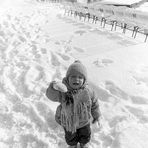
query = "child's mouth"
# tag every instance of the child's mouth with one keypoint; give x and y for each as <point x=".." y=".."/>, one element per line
<point x="75" y="83"/>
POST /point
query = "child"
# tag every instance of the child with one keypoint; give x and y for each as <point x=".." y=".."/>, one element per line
<point x="78" y="104"/>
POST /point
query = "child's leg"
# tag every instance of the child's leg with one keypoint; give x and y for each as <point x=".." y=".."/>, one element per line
<point x="84" y="134"/>
<point x="71" y="138"/>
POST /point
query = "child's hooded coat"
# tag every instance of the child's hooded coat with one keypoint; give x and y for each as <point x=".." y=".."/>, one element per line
<point x="76" y="106"/>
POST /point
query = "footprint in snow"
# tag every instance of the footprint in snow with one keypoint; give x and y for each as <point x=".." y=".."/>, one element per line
<point x="127" y="42"/>
<point x="57" y="42"/>
<point x="139" y="100"/>
<point x="102" y="62"/>
<point x="141" y="80"/>
<point x="80" y="32"/>
<point x="64" y="57"/>
<point x="139" y="113"/>
<point x="115" y="90"/>
<point x="78" y="49"/>
<point x="54" y="60"/>
<point x="85" y="27"/>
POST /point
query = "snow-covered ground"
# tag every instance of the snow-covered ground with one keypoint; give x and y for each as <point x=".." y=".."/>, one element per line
<point x="127" y="2"/>
<point x="143" y="7"/>
<point x="37" y="44"/>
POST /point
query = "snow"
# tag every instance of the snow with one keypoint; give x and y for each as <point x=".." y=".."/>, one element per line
<point x="143" y="7"/>
<point x="37" y="44"/>
<point x="128" y="2"/>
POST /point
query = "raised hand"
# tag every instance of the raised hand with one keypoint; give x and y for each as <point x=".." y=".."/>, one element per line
<point x="59" y="86"/>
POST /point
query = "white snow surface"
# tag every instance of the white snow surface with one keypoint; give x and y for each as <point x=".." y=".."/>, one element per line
<point x="143" y="7"/>
<point x="37" y="44"/>
<point x="128" y="2"/>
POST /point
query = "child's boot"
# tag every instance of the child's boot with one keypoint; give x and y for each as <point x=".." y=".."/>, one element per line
<point x="83" y="145"/>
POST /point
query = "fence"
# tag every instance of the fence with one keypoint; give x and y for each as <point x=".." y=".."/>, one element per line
<point x="123" y="17"/>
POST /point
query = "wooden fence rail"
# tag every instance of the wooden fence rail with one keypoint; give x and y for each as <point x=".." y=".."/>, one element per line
<point x="121" y="16"/>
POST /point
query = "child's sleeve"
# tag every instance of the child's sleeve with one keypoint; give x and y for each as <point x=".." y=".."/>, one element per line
<point x="95" y="110"/>
<point x="53" y="94"/>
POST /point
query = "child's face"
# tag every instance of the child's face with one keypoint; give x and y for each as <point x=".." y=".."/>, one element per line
<point x="76" y="81"/>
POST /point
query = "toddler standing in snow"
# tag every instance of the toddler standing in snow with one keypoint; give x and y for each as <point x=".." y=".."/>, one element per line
<point x="78" y="105"/>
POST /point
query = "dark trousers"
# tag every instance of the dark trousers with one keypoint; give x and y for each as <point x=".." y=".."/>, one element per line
<point x="82" y="135"/>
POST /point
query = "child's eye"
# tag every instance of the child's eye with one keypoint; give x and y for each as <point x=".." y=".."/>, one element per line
<point x="76" y="77"/>
<point x="73" y="77"/>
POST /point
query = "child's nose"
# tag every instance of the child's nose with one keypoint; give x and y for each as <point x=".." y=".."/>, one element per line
<point x="76" y="78"/>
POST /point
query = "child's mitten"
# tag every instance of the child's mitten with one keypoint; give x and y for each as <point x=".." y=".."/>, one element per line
<point x="59" y="86"/>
